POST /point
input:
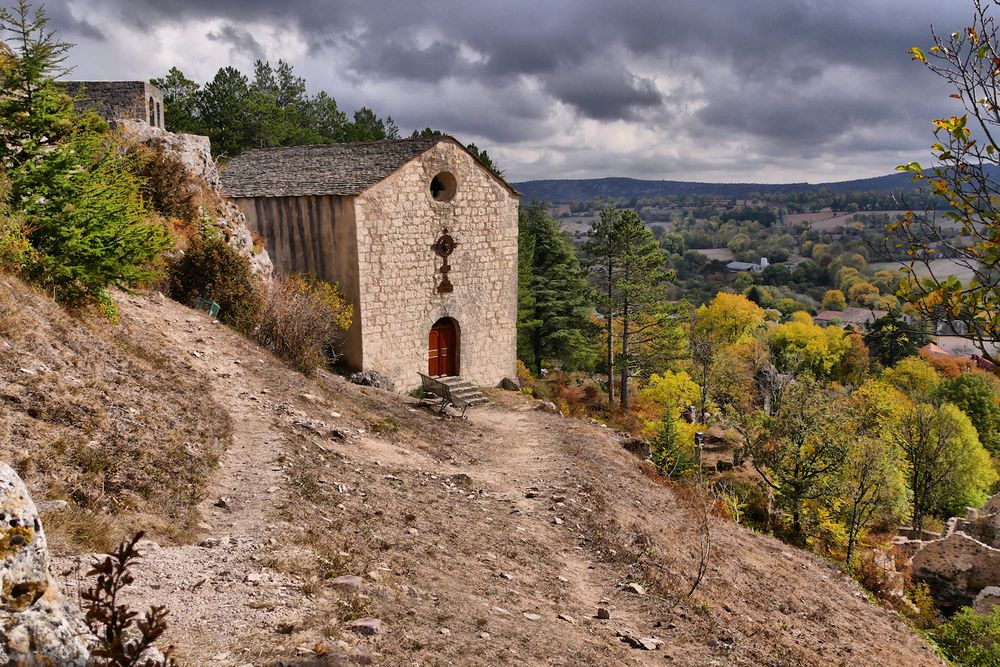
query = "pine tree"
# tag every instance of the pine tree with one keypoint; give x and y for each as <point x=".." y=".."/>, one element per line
<point x="601" y="251"/>
<point x="890" y="339"/>
<point x="666" y="452"/>
<point x="180" y="102"/>
<point x="628" y="267"/>
<point x="554" y="308"/>
<point x="69" y="177"/>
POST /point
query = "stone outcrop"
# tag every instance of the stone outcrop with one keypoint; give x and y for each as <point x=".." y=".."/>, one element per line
<point x="195" y="153"/>
<point x="38" y="625"/>
<point x="988" y="598"/>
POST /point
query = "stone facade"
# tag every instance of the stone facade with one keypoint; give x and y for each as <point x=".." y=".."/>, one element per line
<point x="119" y="100"/>
<point x="397" y="222"/>
<point x="372" y="232"/>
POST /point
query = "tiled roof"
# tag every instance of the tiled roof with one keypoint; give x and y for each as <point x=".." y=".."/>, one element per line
<point x="325" y="169"/>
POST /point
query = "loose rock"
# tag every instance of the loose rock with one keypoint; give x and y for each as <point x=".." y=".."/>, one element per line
<point x="365" y="626"/>
<point x="635" y="588"/>
<point x="350" y="583"/>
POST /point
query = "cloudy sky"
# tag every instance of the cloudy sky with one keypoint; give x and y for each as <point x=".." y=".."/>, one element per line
<point x="712" y="90"/>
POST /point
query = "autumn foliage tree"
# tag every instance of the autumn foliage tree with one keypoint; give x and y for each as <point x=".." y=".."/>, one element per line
<point x="967" y="156"/>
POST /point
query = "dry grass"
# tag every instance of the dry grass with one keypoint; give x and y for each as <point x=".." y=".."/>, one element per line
<point x="93" y="415"/>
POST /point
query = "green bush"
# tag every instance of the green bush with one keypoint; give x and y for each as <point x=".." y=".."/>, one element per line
<point x="969" y="639"/>
<point x="213" y="270"/>
<point x="15" y="249"/>
<point x="668" y="454"/>
<point x="70" y="178"/>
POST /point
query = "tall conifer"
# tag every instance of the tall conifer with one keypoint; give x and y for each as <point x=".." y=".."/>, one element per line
<point x="554" y="308"/>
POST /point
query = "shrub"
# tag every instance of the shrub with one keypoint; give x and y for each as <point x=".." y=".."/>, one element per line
<point x="669" y="456"/>
<point x="212" y="269"/>
<point x="14" y="245"/>
<point x="165" y="183"/>
<point x="302" y="319"/>
<point x="120" y="639"/>
<point x="971" y="640"/>
<point x="744" y="499"/>
<point x="927" y="615"/>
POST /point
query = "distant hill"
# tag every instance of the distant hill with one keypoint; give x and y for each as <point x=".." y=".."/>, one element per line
<point x="565" y="190"/>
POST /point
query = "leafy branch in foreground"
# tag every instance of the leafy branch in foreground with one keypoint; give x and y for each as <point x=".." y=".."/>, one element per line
<point x="123" y="639"/>
<point x="968" y="157"/>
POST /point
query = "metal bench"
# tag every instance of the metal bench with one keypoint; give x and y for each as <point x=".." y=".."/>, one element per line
<point x="433" y="392"/>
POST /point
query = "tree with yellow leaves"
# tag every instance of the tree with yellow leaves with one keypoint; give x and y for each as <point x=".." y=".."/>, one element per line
<point x="967" y="154"/>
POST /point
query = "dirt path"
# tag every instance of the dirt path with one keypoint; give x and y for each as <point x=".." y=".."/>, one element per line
<point x="229" y="590"/>
<point x="217" y="590"/>
<point x="487" y="541"/>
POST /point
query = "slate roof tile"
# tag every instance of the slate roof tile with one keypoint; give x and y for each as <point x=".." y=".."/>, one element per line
<point x="325" y="169"/>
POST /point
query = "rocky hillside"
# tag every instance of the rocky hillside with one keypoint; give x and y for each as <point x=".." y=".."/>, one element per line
<point x="306" y="521"/>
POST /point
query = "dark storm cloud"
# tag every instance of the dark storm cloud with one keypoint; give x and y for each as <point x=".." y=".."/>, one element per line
<point x="784" y="77"/>
<point x="603" y="91"/>
<point x="239" y="40"/>
<point x="60" y="16"/>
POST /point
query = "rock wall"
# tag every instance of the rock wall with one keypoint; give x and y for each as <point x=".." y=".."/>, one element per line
<point x="39" y="626"/>
<point x="195" y="152"/>
<point x="957" y="568"/>
<point x="964" y="564"/>
<point x="119" y="100"/>
<point x="397" y="222"/>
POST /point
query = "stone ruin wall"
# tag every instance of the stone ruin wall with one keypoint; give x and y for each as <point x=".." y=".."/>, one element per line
<point x="397" y="223"/>
<point x="119" y="100"/>
<point x="963" y="567"/>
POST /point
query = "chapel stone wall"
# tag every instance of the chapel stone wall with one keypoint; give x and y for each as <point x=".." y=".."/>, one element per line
<point x="398" y="221"/>
<point x="312" y="235"/>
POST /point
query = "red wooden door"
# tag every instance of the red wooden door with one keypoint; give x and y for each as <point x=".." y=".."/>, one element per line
<point x="442" y="353"/>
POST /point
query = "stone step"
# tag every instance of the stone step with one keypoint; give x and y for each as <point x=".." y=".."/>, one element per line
<point x="463" y="390"/>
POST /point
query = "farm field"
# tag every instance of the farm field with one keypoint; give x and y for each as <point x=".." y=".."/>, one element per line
<point x="940" y="268"/>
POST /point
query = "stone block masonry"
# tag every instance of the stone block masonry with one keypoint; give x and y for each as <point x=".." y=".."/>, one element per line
<point x="119" y="100"/>
<point x="397" y="223"/>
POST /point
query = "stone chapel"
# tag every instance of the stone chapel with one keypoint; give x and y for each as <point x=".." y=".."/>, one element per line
<point x="420" y="236"/>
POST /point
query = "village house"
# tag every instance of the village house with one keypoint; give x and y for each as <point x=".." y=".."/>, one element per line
<point x="419" y="235"/>
<point x="858" y="319"/>
<point x="744" y="267"/>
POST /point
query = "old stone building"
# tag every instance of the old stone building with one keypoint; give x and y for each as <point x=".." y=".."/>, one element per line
<point x="119" y="100"/>
<point x="419" y="235"/>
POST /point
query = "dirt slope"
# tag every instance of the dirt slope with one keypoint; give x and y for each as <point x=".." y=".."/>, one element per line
<point x="487" y="541"/>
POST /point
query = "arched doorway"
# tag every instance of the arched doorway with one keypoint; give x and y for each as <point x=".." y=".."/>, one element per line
<point x="442" y="346"/>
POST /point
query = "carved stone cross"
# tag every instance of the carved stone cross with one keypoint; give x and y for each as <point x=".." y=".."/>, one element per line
<point x="443" y="247"/>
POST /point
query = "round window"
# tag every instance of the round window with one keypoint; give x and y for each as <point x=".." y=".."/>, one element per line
<point x="443" y="186"/>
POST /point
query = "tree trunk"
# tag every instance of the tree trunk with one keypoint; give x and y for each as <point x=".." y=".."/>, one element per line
<point x="611" y="361"/>
<point x="625" y="357"/>
<point x="611" y="334"/>
<point x="853" y="530"/>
